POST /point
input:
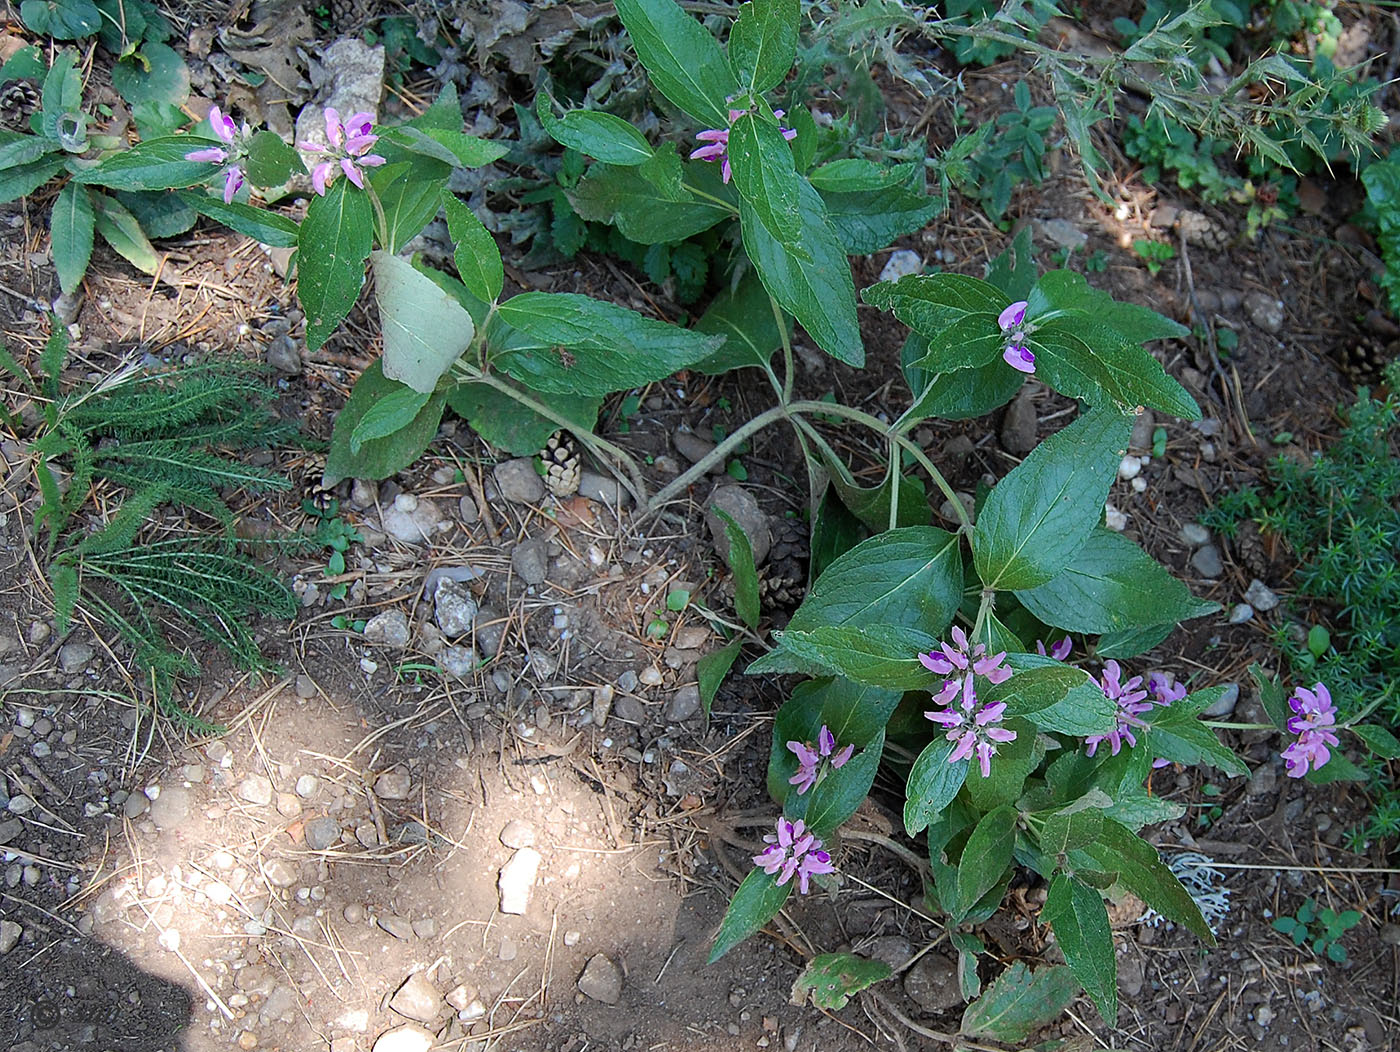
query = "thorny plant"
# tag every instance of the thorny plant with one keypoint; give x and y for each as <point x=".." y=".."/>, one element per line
<point x="909" y="632"/>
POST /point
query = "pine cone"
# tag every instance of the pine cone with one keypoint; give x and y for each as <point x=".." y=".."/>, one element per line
<point x="1251" y="550"/>
<point x="1201" y="230"/>
<point x="1361" y="362"/>
<point x="562" y="464"/>
<point x="18" y="102"/>
<point x="783" y="582"/>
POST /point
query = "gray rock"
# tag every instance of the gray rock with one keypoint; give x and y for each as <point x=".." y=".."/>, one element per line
<point x="627" y="681"/>
<point x="1207" y="562"/>
<point x="1265" y="311"/>
<point x="519" y="482"/>
<point x="932" y="984"/>
<point x="517" y="880"/>
<point x="354" y="83"/>
<point x="321" y="833"/>
<point x="425" y="927"/>
<point x="602" y="703"/>
<point x="530" y="561"/>
<point x="417" y="999"/>
<point x="398" y="927"/>
<point x="1259" y="596"/>
<point x="354" y="913"/>
<point x="9" y="829"/>
<point x="1390" y="934"/>
<point x="284" y="356"/>
<point x="1063" y="233"/>
<point x="1263" y="781"/>
<point x="518" y="834"/>
<point x="1018" y="426"/>
<point x="305" y="687"/>
<point x="135" y="805"/>
<point x="307" y="785"/>
<point x="1225" y="704"/>
<point x="901" y="264"/>
<point x="394" y="784"/>
<point x="894" y="950"/>
<point x="739" y="504"/>
<point x="467" y="511"/>
<point x="279" y="1006"/>
<point x="256" y="789"/>
<point x="388" y="629"/>
<point x="172" y="807"/>
<point x="684" y="704"/>
<point x="9" y="935"/>
<point x="411" y="519"/>
<point x="368" y="835"/>
<point x="459" y="662"/>
<point x="695" y="448"/>
<point x="626" y="707"/>
<point x="21" y="804"/>
<point x="73" y="657"/>
<point x="1194" y="534"/>
<point x="603" y="490"/>
<point x="407" y="1038"/>
<point x="1241" y="613"/>
<point x="454" y="609"/>
<point x="280" y="873"/>
<point x="601" y="980"/>
<point x="1141" y="439"/>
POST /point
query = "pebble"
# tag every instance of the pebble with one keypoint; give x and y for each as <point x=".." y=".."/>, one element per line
<point x="9" y="935"/>
<point x="460" y="996"/>
<point x="367" y="835"/>
<point x="283" y="355"/>
<point x="407" y="1038"/>
<point x="517" y="880"/>
<point x="393" y="784"/>
<point x="279" y="872"/>
<point x="425" y="927"/>
<point x="307" y="785"/>
<point x="321" y="833"/>
<point x="288" y="806"/>
<point x="509" y="950"/>
<point x="932" y="984"/>
<point x="73" y="657"/>
<point x="601" y="980"/>
<point x="1263" y="781"/>
<point x="1241" y="613"/>
<point x="692" y="637"/>
<point x="172" y="807"/>
<point x="901" y="264"/>
<point x="217" y="892"/>
<point x="1114" y="519"/>
<point x="1018" y="426"/>
<point x="1129" y="468"/>
<point x="21" y="804"/>
<point x="1207" y="562"/>
<point x="649" y="676"/>
<point x="603" y="490"/>
<point x="389" y="628"/>
<point x="1063" y="233"/>
<point x="684" y="704"/>
<point x="529" y="560"/>
<point x="256" y="789"/>
<point x="460" y="662"/>
<point x="695" y="448"/>
<point x="410" y="519"/>
<point x="627" y="682"/>
<point x="518" y="481"/>
<point x="1265" y="311"/>
<point x="1194" y="534"/>
<point x="135" y="805"/>
<point x="518" y="834"/>
<point x="354" y="913"/>
<point x="740" y="505"/>
<point x="39" y="632"/>
<point x="1226" y="703"/>
<point x="572" y="937"/>
<point x="454" y="609"/>
<point x="630" y="709"/>
<point x="417" y="999"/>
<point x="398" y="927"/>
<point x="1259" y="596"/>
<point x="1390" y="934"/>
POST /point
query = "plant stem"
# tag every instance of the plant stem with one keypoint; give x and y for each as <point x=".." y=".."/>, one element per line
<point x="698" y="470"/>
<point x="989" y="598"/>
<point x="786" y="393"/>
<point x="1225" y="725"/>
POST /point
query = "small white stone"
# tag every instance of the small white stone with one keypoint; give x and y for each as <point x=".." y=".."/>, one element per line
<point x="901" y="264"/>
<point x="1114" y="519"/>
<point x="517" y="880"/>
<point x="1129" y="467"/>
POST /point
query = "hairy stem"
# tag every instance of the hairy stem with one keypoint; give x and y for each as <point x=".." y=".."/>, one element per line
<point x="697" y="471"/>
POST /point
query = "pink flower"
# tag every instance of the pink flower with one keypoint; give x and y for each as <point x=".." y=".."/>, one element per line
<point x="810" y="760"/>
<point x="1011" y="321"/>
<point x="1313" y="718"/>
<point x="348" y="143"/>
<point x="1059" y="651"/>
<point x="1131" y="705"/>
<point x="716" y="141"/>
<point x="1164" y="691"/>
<point x="972" y="725"/>
<point x="793" y="851"/>
<point x="228" y="133"/>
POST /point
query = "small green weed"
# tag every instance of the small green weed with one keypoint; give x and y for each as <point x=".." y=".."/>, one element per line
<point x="1322" y="929"/>
<point x="1154" y="254"/>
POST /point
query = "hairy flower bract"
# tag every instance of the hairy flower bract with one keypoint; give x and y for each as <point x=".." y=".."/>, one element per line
<point x="793" y="850"/>
<point x="810" y="760"/>
<point x="974" y="726"/>
<point x="1313" y="718"/>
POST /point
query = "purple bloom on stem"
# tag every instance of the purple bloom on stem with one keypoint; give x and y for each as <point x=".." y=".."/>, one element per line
<point x="793" y="851"/>
<point x="972" y="725"/>
<point x="809" y="760"/>
<point x="1132" y="704"/>
<point x="211" y="155"/>
<point x="1313" y="718"/>
<point x="226" y="132"/>
<point x="716" y="142"/>
<point x="1059" y="651"/>
<point x="1011" y="321"/>
<point x="349" y="143"/>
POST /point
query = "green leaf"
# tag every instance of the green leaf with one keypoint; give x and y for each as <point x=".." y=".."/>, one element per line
<point x="684" y="61"/>
<point x="815" y="288"/>
<point x="879" y="656"/>
<point x="269" y="228"/>
<point x="960" y="395"/>
<point x="62" y="93"/>
<point x="71" y="227"/>
<point x="410" y="194"/>
<point x="61" y="19"/>
<point x="1112" y="585"/>
<point x="508" y="425"/>
<point x="854" y="175"/>
<point x="156" y="164"/>
<point x="27" y="63"/>
<point x="1178" y="734"/>
<point x="645" y="211"/>
<point x="1337" y="769"/>
<point x="763" y="43"/>
<point x="1080" y="920"/>
<point x="161" y="213"/>
<point x="120" y="229"/>
<point x="1054" y="696"/>
<point x="740" y="560"/>
<point x="1146" y="876"/>
<point x="11" y="366"/>
<point x="392" y="413"/>
<point x="425" y="329"/>
<point x="1076" y="825"/>
<point x="380" y="457"/>
<point x="854" y="714"/>
<point x="931" y="303"/>
<point x="448" y="145"/>
<point x="910" y="577"/>
<point x="24" y="149"/>
<point x="985" y="858"/>
<point x="1131" y="642"/>
<point x="711" y="669"/>
<point x="24" y="179"/>
<point x="871" y="505"/>
<point x="746" y="317"/>
<point x="766" y="178"/>
<point x="754" y="904"/>
<point x="1273" y="696"/>
<point x="156" y="73"/>
<point x="839" y="795"/>
<point x="332" y="245"/>
<point x="1065" y="290"/>
<point x="832" y="979"/>
<point x="604" y="136"/>
<point x="933" y="782"/>
<point x="1039" y="516"/>
<point x="868" y="220"/>
<point x="1019" y="1002"/>
<point x="1014" y="271"/>
<point x="610" y="348"/>
<point x="835" y="531"/>
<point x="475" y="252"/>
<point x="1379" y="740"/>
<point x="270" y="161"/>
<point x="64" y="579"/>
<point x="1012" y="763"/>
<point x="1082" y="359"/>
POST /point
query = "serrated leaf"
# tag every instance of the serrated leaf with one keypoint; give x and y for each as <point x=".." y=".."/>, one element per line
<point x="378" y="458"/>
<point x="410" y="194"/>
<point x="740" y="559"/>
<point x="1082" y="359"/>
<point x="832" y="979"/>
<point x="1014" y="271"/>
<point x="1018" y="1002"/>
<point x="71" y="226"/>
<point x="754" y="904"/>
<point x="745" y="316"/>
<point x="763" y="43"/>
<point x="156" y="164"/>
<point x="161" y="213"/>
<point x="393" y="412"/>
<point x="1054" y="696"/>
<point x="1080" y="921"/>
<point x="156" y="73"/>
<point x="1131" y="642"/>
<point x="475" y="252"/>
<point x="448" y="145"/>
<point x="1178" y="734"/>
<point x="332" y="245"/>
<point x="1379" y="740"/>
<point x="263" y="226"/>
<point x="1273" y="696"/>
<point x="512" y="427"/>
<point x="61" y="19"/>
<point x="270" y="160"/>
<point x="854" y="714"/>
<point x="1039" y="516"/>
<point x="869" y="220"/>
<point x="425" y="329"/>
<point x="871" y="505"/>
<point x="1143" y="873"/>
<point x="643" y="209"/>
<point x="682" y="59"/>
<point x="766" y="178"/>
<point x="985" y="858"/>
<point x="933" y="782"/>
<point x="881" y="656"/>
<point x="64" y="579"/>
<point x="603" y="136"/>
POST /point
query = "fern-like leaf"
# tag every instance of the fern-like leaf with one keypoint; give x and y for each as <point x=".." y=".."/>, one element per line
<point x="65" y="595"/>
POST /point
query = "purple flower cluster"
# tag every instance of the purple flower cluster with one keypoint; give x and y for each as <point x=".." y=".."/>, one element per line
<point x="716" y="142"/>
<point x="1313" y="718"/>
<point x="231" y="153"/>
<point x="809" y="760"/>
<point x="793" y="850"/>
<point x="1132" y="703"/>
<point x="1012" y="323"/>
<point x="348" y="145"/>
<point x="1164" y="691"/>
<point x="969" y="722"/>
